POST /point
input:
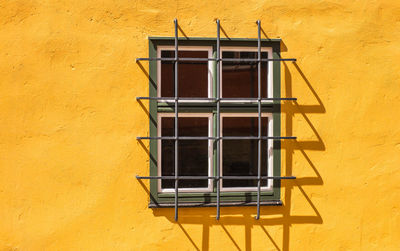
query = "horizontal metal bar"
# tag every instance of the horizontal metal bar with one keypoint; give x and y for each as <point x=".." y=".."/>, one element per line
<point x="174" y="59"/>
<point x="216" y="178"/>
<point x="172" y="99"/>
<point x="253" y="137"/>
<point x="180" y="138"/>
<point x="214" y="138"/>
<point x="255" y="99"/>
<point x="213" y="39"/>
<point x="214" y="59"/>
<point x="256" y="60"/>
<point x="213" y="204"/>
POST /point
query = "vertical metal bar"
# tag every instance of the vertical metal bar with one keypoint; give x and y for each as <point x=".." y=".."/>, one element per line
<point x="259" y="120"/>
<point x="176" y="119"/>
<point x="218" y="141"/>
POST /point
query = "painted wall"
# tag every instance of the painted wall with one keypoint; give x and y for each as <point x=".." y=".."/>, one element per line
<point x="69" y="118"/>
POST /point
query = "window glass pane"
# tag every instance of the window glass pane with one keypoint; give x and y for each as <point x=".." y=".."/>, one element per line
<point x="240" y="79"/>
<point x="240" y="157"/>
<point x="193" y="154"/>
<point x="192" y="75"/>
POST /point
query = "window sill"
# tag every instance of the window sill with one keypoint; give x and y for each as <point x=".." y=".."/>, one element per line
<point x="213" y="204"/>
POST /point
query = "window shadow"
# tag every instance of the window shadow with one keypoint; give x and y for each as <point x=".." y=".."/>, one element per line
<point x="270" y="216"/>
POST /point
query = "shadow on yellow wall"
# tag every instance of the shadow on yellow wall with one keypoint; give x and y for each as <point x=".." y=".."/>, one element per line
<point x="245" y="215"/>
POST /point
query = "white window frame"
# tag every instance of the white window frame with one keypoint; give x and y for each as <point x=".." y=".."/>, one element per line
<point x="211" y="66"/>
<point x="209" y="187"/>
<point x="186" y="48"/>
<point x="270" y="70"/>
<point x="270" y="155"/>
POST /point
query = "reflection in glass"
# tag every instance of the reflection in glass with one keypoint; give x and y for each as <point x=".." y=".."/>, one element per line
<point x="192" y="75"/>
<point x="193" y="154"/>
<point x="240" y="79"/>
<point x="240" y="157"/>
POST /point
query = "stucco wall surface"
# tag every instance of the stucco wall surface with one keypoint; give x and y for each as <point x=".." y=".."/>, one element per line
<point x="69" y="118"/>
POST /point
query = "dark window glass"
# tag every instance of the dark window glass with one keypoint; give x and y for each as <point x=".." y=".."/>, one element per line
<point x="193" y="154"/>
<point x="192" y="75"/>
<point x="240" y="157"/>
<point x="240" y="79"/>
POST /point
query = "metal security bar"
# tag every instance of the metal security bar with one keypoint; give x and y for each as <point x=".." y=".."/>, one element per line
<point x="218" y="118"/>
<point x="259" y="120"/>
<point x="172" y="99"/>
<point x="176" y="120"/>
<point x="217" y="100"/>
<point x="215" y="177"/>
<point x="215" y="138"/>
<point x="220" y="59"/>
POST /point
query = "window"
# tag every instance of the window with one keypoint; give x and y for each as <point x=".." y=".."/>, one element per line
<point x="207" y="144"/>
<point x="197" y="118"/>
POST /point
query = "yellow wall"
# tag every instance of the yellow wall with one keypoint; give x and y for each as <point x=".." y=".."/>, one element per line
<point x="68" y="122"/>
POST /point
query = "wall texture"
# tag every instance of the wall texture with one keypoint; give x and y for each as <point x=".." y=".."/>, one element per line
<point x="69" y="118"/>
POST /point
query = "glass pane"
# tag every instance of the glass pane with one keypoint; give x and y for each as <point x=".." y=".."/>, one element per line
<point x="240" y="157"/>
<point x="240" y="79"/>
<point x="193" y="154"/>
<point x="192" y="75"/>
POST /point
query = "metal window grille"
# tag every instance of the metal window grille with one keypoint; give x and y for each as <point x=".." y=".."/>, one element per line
<point x="175" y="100"/>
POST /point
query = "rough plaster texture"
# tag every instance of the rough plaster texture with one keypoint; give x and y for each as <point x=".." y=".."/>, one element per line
<point x="68" y="122"/>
